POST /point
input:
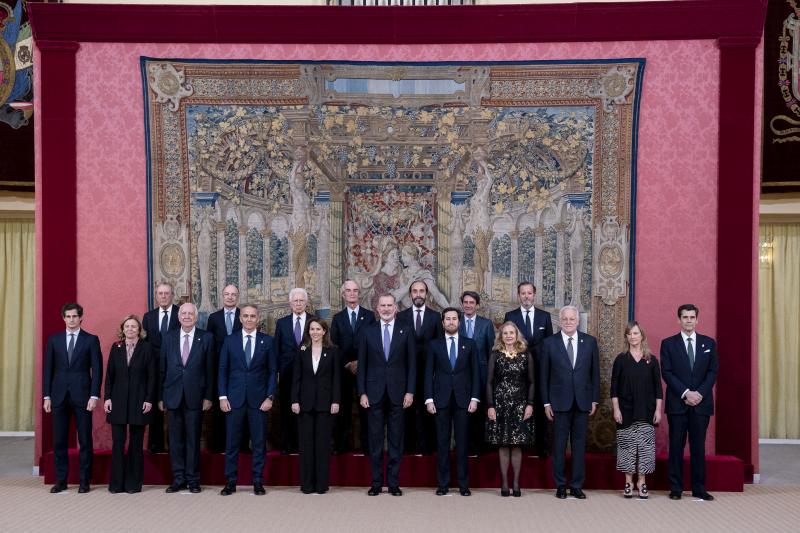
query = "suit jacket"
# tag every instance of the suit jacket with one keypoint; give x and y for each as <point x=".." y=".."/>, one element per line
<point x="378" y="376"/>
<point x="483" y="334"/>
<point x="679" y="375"/>
<point x="192" y="382"/>
<point x="241" y="383"/>
<point x="560" y="384"/>
<point x="316" y="392"/>
<point x="81" y="377"/>
<point x="152" y="325"/>
<point x="542" y="325"/>
<point x="431" y="329"/>
<point x="129" y="386"/>
<point x="442" y="381"/>
<point x="284" y="341"/>
<point x="217" y="327"/>
<point x="343" y="336"/>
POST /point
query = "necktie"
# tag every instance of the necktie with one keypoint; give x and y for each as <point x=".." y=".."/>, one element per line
<point x="248" y="351"/>
<point x="185" y="351"/>
<point x="353" y="320"/>
<point x="570" y="352"/>
<point x="690" y="351"/>
<point x="297" y="335"/>
<point x="528" y="324"/>
<point x="229" y="321"/>
<point x="70" y="348"/>
<point x="130" y="352"/>
<point x="469" y="328"/>
<point x="452" y="352"/>
<point x="387" y="341"/>
<point x="164" y="322"/>
<point x="418" y="323"/>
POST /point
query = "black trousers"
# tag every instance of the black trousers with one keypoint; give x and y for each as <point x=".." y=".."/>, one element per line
<point x="83" y="422"/>
<point x="695" y="426"/>
<point x="288" y="418"/>
<point x="420" y="436"/>
<point x="183" y="427"/>
<point x="155" y="437"/>
<point x="127" y="469"/>
<point x="385" y="416"/>
<point x="449" y="419"/>
<point x="237" y="420"/>
<point x="343" y="422"/>
<point x="570" y="425"/>
<point x="314" y="428"/>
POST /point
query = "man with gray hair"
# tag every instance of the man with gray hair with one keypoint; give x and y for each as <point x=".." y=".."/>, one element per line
<point x="570" y="385"/>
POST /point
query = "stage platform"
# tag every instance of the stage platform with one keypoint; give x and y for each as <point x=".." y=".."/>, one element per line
<point x="723" y="473"/>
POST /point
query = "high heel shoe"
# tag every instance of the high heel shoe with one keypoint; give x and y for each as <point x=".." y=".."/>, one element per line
<point x="517" y="493"/>
<point x="643" y="492"/>
<point x="627" y="491"/>
<point x="505" y="493"/>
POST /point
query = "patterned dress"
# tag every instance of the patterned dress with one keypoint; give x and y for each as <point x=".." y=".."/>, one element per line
<point x="509" y="388"/>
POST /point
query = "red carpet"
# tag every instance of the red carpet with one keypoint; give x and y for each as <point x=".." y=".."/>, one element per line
<point x="723" y="472"/>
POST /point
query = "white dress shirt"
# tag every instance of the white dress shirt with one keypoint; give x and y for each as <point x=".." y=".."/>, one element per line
<point x="564" y="338"/>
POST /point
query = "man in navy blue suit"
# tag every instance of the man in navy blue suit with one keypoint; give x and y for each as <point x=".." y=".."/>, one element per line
<point x="346" y="326"/>
<point x="689" y="364"/>
<point x="387" y="373"/>
<point x="570" y="384"/>
<point x="187" y="373"/>
<point x="536" y="325"/>
<point x="247" y="366"/>
<point x="452" y="390"/>
<point x="480" y="330"/>
<point x="73" y="371"/>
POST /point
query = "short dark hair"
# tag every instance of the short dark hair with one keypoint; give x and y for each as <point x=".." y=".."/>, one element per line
<point x="523" y="283"/>
<point x="688" y="307"/>
<point x="472" y="294"/>
<point x="418" y="281"/>
<point x="69" y="307"/>
<point x="451" y="309"/>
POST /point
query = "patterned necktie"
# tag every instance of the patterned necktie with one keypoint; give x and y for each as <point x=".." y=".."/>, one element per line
<point x="690" y="351"/>
<point x="185" y="351"/>
<point x="528" y="323"/>
<point x="248" y="351"/>
<point x="418" y="323"/>
<point x="70" y="348"/>
<point x="452" y="352"/>
<point x="130" y="348"/>
<point x="164" y="322"/>
<point x="570" y="352"/>
<point x="297" y="334"/>
<point x="387" y="341"/>
<point x="229" y="321"/>
<point x="353" y="320"/>
<point x="469" y="328"/>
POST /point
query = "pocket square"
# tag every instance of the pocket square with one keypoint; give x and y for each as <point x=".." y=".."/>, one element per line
<point x="541" y="327"/>
<point x="707" y="351"/>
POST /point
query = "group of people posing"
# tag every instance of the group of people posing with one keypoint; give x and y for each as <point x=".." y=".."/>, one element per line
<point x="423" y="379"/>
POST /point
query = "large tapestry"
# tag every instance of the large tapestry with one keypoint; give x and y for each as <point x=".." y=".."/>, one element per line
<point x="273" y="175"/>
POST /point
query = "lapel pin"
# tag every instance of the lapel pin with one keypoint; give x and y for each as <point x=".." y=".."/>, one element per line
<point x="401" y="332"/>
<point x="361" y="318"/>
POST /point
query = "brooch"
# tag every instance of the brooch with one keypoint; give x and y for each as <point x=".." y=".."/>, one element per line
<point x="303" y="348"/>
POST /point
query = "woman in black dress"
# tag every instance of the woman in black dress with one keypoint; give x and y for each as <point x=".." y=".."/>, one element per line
<point x="130" y="393"/>
<point x="509" y="398"/>
<point x="636" y="397"/>
<point x="315" y="397"/>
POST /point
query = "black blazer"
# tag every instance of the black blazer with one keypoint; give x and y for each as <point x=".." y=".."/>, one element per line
<point x="192" y="382"/>
<point x="378" y="377"/>
<point x="542" y="325"/>
<point x="247" y="384"/>
<point x="560" y="384"/>
<point x="152" y="325"/>
<point x="679" y="375"/>
<point x="216" y="326"/>
<point x="483" y="334"/>
<point x="128" y="387"/>
<point x="443" y="381"/>
<point x="343" y="336"/>
<point x="316" y="392"/>
<point x="81" y="378"/>
<point x="284" y="341"/>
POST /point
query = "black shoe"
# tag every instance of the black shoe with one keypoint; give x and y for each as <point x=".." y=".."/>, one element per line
<point x="134" y="491"/>
<point x="703" y="496"/>
<point x="176" y="487"/>
<point x="561" y="493"/>
<point x="374" y="491"/>
<point x="322" y="491"/>
<point x="258" y="489"/>
<point x="517" y="493"/>
<point x="84" y="488"/>
<point x="505" y="493"/>
<point x="675" y="495"/>
<point x="577" y="493"/>
<point x="228" y="489"/>
<point x="465" y="491"/>
<point x="194" y="488"/>
<point x="395" y="491"/>
<point x="60" y="486"/>
<point x="441" y="491"/>
<point x="114" y="491"/>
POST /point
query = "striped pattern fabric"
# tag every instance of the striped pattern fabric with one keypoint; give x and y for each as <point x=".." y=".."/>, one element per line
<point x="637" y="440"/>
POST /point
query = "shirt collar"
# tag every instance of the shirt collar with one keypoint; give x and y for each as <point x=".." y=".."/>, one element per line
<point x="190" y="333"/>
<point x="391" y="323"/>
<point x="447" y="338"/>
<point x="419" y="309"/>
<point x="523" y="310"/>
<point x="252" y="333"/>
<point x="76" y="332"/>
<point x="355" y="310"/>
<point x="693" y="336"/>
<point x="301" y="315"/>
<point x="564" y="336"/>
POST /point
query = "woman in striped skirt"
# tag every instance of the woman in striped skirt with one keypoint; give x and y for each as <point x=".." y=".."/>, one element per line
<point x="636" y="396"/>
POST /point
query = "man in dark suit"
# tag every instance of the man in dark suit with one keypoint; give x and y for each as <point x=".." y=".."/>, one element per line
<point x="187" y="370"/>
<point x="220" y="324"/>
<point x="689" y="364"/>
<point x="452" y="389"/>
<point x="535" y="324"/>
<point x="288" y="335"/>
<point x="73" y="371"/>
<point x="247" y="367"/>
<point x="346" y="326"/>
<point x="480" y="330"/>
<point x="157" y="322"/>
<point x="570" y="384"/>
<point x="426" y="325"/>
<point x="387" y="373"/>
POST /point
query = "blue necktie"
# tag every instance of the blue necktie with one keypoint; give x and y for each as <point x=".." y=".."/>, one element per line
<point x="469" y="328"/>
<point x="353" y="320"/>
<point x="164" y="323"/>
<point x="298" y="336"/>
<point x="452" y="352"/>
<point x="387" y="341"/>
<point x="229" y="321"/>
<point x="248" y="351"/>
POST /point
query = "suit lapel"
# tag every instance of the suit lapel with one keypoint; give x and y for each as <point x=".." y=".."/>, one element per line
<point x="397" y="332"/>
<point x="563" y="350"/>
<point x="76" y="350"/>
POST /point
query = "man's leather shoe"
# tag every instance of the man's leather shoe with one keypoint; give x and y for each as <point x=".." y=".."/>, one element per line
<point x="674" y="495"/>
<point x="374" y="491"/>
<point x="83" y="488"/>
<point x="258" y="489"/>
<point x="228" y="489"/>
<point x="60" y="486"/>
<point x="465" y="491"/>
<point x="395" y="491"/>
<point x="176" y="487"/>
<point x="194" y="488"/>
<point x="134" y="491"/>
<point x="577" y="493"/>
<point x="561" y="493"/>
<point x="441" y="491"/>
<point x="703" y="496"/>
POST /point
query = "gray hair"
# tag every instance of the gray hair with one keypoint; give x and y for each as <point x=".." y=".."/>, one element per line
<point x="569" y="308"/>
<point x="298" y="290"/>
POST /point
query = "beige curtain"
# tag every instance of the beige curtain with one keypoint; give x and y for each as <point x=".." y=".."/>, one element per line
<point x="18" y="284"/>
<point x="779" y="326"/>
